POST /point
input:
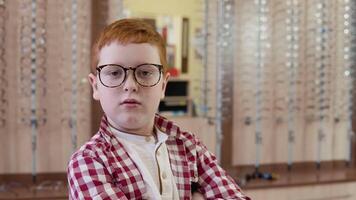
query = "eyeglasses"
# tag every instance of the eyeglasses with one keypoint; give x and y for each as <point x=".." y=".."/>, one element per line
<point x="146" y="75"/>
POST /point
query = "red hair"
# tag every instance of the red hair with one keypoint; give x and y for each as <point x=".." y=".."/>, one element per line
<point x="127" y="31"/>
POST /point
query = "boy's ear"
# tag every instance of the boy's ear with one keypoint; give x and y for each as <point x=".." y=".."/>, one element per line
<point x="94" y="85"/>
<point x="164" y="85"/>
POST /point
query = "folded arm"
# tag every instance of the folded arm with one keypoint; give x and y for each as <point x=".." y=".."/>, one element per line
<point x="214" y="182"/>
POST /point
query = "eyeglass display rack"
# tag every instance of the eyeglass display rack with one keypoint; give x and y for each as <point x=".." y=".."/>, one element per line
<point x="298" y="90"/>
<point x="50" y="84"/>
<point x="347" y="23"/>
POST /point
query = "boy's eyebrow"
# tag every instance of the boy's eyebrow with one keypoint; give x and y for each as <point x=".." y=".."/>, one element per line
<point x="110" y="64"/>
<point x="129" y="66"/>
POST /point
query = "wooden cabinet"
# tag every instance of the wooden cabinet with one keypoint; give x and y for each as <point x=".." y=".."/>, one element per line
<point x="333" y="191"/>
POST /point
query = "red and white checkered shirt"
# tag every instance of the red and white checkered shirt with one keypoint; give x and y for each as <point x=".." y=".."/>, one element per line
<point x="102" y="169"/>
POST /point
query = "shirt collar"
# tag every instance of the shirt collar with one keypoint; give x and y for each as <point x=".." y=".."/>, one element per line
<point x="159" y="136"/>
<point x="162" y="125"/>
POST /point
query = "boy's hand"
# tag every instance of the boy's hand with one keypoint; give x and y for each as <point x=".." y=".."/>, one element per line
<point x="197" y="196"/>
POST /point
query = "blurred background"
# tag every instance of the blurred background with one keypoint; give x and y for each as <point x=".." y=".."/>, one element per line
<point x="267" y="85"/>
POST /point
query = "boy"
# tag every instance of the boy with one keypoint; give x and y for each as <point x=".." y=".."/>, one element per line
<point x="137" y="154"/>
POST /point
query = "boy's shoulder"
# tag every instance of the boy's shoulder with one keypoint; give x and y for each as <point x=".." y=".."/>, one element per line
<point x="97" y="145"/>
<point x="173" y="130"/>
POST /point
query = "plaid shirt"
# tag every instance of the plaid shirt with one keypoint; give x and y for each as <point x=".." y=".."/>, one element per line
<point x="102" y="169"/>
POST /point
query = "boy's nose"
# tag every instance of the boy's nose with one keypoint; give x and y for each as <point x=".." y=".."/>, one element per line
<point x="130" y="83"/>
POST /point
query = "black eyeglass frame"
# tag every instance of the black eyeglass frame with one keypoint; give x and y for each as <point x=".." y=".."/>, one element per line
<point x="160" y="68"/>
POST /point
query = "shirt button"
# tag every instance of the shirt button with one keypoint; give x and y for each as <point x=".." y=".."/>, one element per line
<point x="148" y="139"/>
<point x="158" y="153"/>
<point x="164" y="175"/>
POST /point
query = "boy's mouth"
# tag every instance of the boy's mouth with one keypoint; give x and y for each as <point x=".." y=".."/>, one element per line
<point x="130" y="102"/>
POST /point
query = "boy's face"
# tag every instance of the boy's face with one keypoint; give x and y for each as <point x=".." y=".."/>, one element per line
<point x="129" y="107"/>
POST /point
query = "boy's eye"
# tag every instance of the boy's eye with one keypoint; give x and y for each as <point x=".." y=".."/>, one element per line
<point x="113" y="71"/>
<point x="145" y="73"/>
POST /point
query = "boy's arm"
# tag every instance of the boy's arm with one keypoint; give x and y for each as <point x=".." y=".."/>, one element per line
<point x="214" y="182"/>
<point x="89" y="179"/>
